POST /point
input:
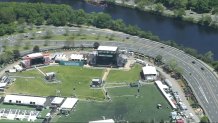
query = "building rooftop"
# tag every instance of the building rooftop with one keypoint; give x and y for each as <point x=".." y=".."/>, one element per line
<point x="25" y="99"/>
<point x="69" y="103"/>
<point x="107" y="48"/>
<point x="34" y="55"/>
<point x="147" y="70"/>
<point x="57" y="100"/>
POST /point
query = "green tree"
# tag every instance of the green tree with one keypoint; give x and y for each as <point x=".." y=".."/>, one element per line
<point x="179" y="13"/>
<point x="191" y="51"/>
<point x="208" y="57"/>
<point x="180" y="3"/>
<point x="159" y="8"/>
<point x="192" y="4"/>
<point x="102" y="20"/>
<point x="36" y="49"/>
<point x="202" y="6"/>
<point x="78" y="17"/>
<point x="172" y="64"/>
<point x="21" y="20"/>
<point x="7" y="15"/>
<point x="96" y="45"/>
<point x="204" y="119"/>
<point x="158" y="59"/>
<point x="39" y="20"/>
<point x="118" y="25"/>
<point x="16" y="54"/>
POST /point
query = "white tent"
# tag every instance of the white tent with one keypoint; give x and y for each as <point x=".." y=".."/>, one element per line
<point x="68" y="103"/>
<point x="57" y="100"/>
<point x="107" y="48"/>
<point x="24" y="100"/>
<point x="77" y="57"/>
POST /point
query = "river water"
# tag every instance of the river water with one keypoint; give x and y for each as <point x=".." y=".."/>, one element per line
<point x="190" y="35"/>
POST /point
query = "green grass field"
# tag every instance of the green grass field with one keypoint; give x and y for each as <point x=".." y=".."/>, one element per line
<point x="124" y="76"/>
<point x="9" y="106"/>
<point x="83" y="37"/>
<point x="130" y="108"/>
<point x="70" y="77"/>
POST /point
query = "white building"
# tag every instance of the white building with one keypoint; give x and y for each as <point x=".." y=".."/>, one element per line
<point x="68" y="105"/>
<point x="24" y="100"/>
<point x="103" y="121"/>
<point x="149" y="72"/>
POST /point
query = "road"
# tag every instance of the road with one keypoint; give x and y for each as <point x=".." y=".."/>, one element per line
<point x="204" y="83"/>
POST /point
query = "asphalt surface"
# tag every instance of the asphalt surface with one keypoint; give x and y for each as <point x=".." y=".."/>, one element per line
<point x="204" y="83"/>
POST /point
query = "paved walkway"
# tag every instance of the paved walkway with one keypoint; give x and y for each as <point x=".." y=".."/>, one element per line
<point x="106" y="72"/>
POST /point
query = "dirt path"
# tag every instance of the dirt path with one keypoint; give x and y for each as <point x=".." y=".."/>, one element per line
<point x="106" y="72"/>
<point x="9" y="66"/>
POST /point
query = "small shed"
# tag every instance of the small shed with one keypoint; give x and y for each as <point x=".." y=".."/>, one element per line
<point x="150" y="73"/>
<point x="68" y="105"/>
<point x="57" y="101"/>
<point x="50" y="76"/>
<point x="96" y="82"/>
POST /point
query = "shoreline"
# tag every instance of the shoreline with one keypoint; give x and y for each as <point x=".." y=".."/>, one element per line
<point x="190" y="16"/>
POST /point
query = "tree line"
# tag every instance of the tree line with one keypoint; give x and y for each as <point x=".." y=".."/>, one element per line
<point x="199" y="6"/>
<point x="13" y="14"/>
<point x="178" y="8"/>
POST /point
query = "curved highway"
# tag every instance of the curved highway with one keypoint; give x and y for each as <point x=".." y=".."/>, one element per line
<point x="204" y="83"/>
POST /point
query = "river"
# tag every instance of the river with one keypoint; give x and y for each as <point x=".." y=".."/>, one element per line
<point x="189" y="35"/>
